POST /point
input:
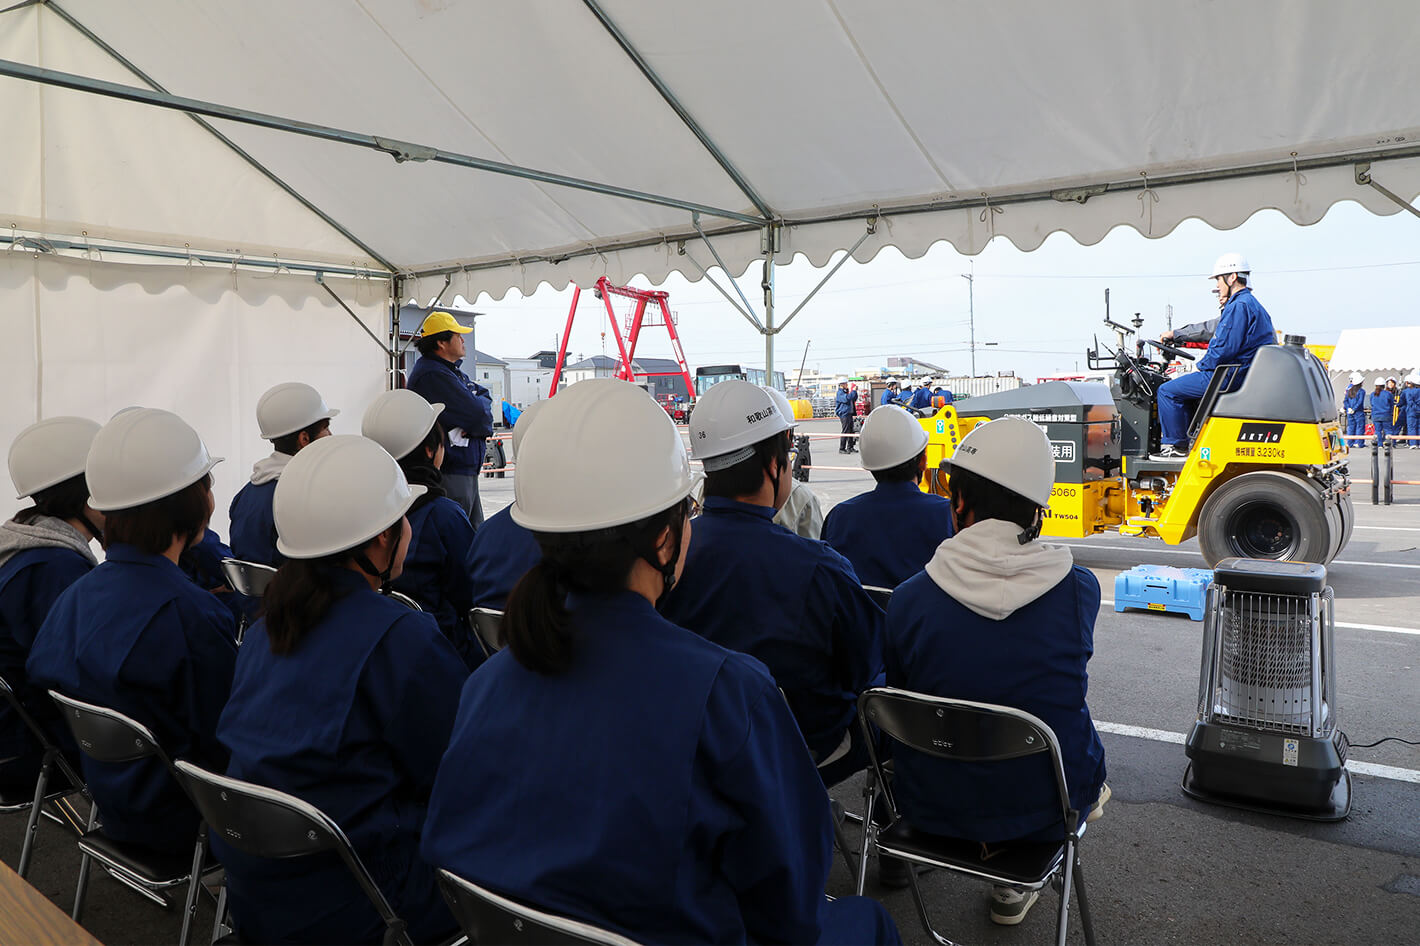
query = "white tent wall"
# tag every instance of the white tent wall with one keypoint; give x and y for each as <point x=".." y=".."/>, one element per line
<point x="89" y="338"/>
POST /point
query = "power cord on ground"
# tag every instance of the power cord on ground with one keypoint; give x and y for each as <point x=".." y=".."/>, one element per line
<point x="1368" y="745"/>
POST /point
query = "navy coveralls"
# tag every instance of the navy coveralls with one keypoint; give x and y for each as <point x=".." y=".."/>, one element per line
<point x="659" y="788"/>
<point x="890" y="532"/>
<point x="434" y="573"/>
<point x="921" y="399"/>
<point x="1354" y="405"/>
<point x="254" y="526"/>
<point x="843" y="404"/>
<point x="354" y="721"/>
<point x="1382" y="402"/>
<point x="501" y="553"/>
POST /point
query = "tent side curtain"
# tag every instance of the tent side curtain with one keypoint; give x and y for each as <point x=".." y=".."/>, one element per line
<point x="1380" y="351"/>
<point x="89" y="338"/>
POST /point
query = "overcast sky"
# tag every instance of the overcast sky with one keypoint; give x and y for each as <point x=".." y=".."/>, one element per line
<point x="1352" y="269"/>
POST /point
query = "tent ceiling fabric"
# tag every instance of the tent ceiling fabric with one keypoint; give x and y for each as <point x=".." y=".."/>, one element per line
<point x="828" y="108"/>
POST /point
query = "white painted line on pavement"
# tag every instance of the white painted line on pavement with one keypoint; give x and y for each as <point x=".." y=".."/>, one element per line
<point x="1387" y="628"/>
<point x="1376" y="770"/>
<point x="1389" y="528"/>
<point x="1151" y="550"/>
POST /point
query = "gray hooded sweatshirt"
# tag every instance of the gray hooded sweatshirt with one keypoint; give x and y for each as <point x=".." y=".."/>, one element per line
<point x="43" y="533"/>
<point x="987" y="569"/>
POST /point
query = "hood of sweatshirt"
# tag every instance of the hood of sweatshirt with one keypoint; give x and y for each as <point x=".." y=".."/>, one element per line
<point x="43" y="533"/>
<point x="987" y="569"/>
<point x="269" y="468"/>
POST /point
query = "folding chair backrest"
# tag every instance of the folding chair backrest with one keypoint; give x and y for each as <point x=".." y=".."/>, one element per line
<point x="403" y="599"/>
<point x="247" y="578"/>
<point x="106" y="735"/>
<point x="881" y="595"/>
<point x="487" y="917"/>
<point x="487" y="626"/>
<point x="8" y="694"/>
<point x="263" y="822"/>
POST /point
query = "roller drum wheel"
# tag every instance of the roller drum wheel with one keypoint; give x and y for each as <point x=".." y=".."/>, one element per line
<point x="1269" y="515"/>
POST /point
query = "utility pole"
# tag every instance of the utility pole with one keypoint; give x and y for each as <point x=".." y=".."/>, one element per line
<point x="1168" y="317"/>
<point x="971" y="312"/>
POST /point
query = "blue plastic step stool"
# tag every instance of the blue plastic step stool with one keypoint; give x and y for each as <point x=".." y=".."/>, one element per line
<point x="1163" y="588"/>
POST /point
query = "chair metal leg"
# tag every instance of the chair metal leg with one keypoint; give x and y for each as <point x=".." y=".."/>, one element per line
<point x="32" y="827"/>
<point x="1086" y="920"/>
<point x="84" y="863"/>
<point x="841" y="840"/>
<point x="220" y="926"/>
<point x="194" y="883"/>
<point x="922" y="908"/>
<point x="870" y="794"/>
<point x="1062" y="923"/>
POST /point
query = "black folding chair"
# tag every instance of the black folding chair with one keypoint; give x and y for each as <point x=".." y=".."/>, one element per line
<point x="489" y="918"/>
<point x="487" y="625"/>
<point x="248" y="579"/>
<point x="881" y="595"/>
<point x="14" y="803"/>
<point x="266" y="823"/>
<point x="963" y="731"/>
<point x="106" y="735"/>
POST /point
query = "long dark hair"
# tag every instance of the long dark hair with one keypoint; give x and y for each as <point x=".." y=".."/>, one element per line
<point x="64" y="500"/>
<point x="537" y="625"/>
<point x="419" y="468"/>
<point x="303" y="590"/>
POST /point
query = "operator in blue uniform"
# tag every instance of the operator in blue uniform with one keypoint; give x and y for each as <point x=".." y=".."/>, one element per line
<point x="135" y="634"/>
<point x="844" y="408"/>
<point x="434" y="573"/>
<point x="345" y="699"/>
<point x="1382" y="403"/>
<point x="608" y="765"/>
<point x="890" y="532"/>
<point x="890" y="395"/>
<point x="997" y="617"/>
<point x="468" y="407"/>
<point x="292" y="416"/>
<point x="922" y="397"/>
<point x="43" y="550"/>
<point x="1354" y="407"/>
<point x="755" y="587"/>
<point x="1412" y="407"/>
<point x="1243" y="327"/>
<point x="502" y="551"/>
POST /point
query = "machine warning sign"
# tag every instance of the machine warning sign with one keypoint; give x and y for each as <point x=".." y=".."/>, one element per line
<point x="1289" y="752"/>
<point x="1261" y="433"/>
<point x="1064" y="450"/>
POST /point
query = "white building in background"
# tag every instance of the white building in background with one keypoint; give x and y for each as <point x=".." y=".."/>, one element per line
<point x="527" y="381"/>
<point x="490" y="372"/>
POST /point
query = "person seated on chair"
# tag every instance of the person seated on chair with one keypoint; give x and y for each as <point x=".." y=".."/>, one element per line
<point x="660" y="782"/>
<point x="801" y="513"/>
<point x="997" y="617"/>
<point x="135" y="634"/>
<point x="814" y="626"/>
<point x="43" y="550"/>
<point x="202" y="564"/>
<point x="292" y="416"/>
<point x="434" y="575"/>
<point x="1243" y="327"/>
<point x="502" y="551"/>
<point x="890" y="532"/>
<point x="345" y="699"/>
<point x="1382" y="403"/>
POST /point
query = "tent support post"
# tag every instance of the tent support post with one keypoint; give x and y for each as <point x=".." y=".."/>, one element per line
<point x="1363" y="176"/>
<point x="320" y="279"/>
<point x="395" y="354"/>
<point x="872" y="227"/>
<point x="769" y="330"/>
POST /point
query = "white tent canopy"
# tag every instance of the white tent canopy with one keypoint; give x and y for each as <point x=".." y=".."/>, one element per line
<point x="1392" y="351"/>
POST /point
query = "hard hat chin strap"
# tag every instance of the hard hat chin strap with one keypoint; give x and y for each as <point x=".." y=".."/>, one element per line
<point x="667" y="569"/>
<point x="362" y="561"/>
<point x="1030" y="535"/>
<point x="93" y="529"/>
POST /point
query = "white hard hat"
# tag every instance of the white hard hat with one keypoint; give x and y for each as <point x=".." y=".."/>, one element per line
<point x="399" y="421"/>
<point x="1380" y="382"/>
<point x="50" y="452"/>
<point x="602" y="454"/>
<point x="337" y="494"/>
<point x="289" y="407"/>
<point x="1230" y="263"/>
<point x="1356" y="377"/>
<point x="890" y="436"/>
<point x="1011" y="452"/>
<point x="141" y="455"/>
<point x="524" y="421"/>
<point x="729" y="420"/>
<point x="1390" y="379"/>
<point x="1413" y="377"/>
<point x="781" y="401"/>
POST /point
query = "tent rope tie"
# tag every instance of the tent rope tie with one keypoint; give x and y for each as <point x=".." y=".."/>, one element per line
<point x="1298" y="179"/>
<point x="1147" y="199"/>
<point x="988" y="214"/>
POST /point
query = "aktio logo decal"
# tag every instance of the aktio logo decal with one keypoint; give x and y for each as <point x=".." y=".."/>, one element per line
<point x="1064" y="450"/>
<point x="1261" y="433"/>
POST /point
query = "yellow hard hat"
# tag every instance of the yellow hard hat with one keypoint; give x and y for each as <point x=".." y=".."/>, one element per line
<point x="441" y="322"/>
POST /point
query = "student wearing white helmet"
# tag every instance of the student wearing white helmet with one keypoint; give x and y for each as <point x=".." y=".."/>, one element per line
<point x="408" y="427"/>
<point x="292" y="416"/>
<point x="922" y="397"/>
<point x="502" y="551"/>
<point x="997" y="617"/>
<point x="1411" y="393"/>
<point x="1353" y="405"/>
<point x="1243" y="327"/>
<point x="1382" y="402"/>
<point x="658" y="785"/>
<point x="801" y="513"/>
<point x="43" y="550"/>
<point x="812" y="623"/>
<point x="890" y="532"/>
<point x="135" y="634"/>
<point x="890" y="394"/>
<point x="345" y="699"/>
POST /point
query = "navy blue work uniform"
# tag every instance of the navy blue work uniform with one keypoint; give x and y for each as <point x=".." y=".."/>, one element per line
<point x="793" y="603"/>
<point x="137" y="636"/>
<point x="889" y="397"/>
<point x="30" y="582"/>
<point x="203" y="564"/>
<point x="353" y="721"/>
<point x="1354" y="409"/>
<point x="921" y="399"/>
<point x="1382" y="403"/>
<point x="659" y="787"/>
<point x="253" y="525"/>
<point x="434" y="573"/>
<point x="889" y="532"/>
<point x="1400" y="412"/>
<point x="1243" y="328"/>
<point x="501" y="554"/>
<point x="844" y="405"/>
<point x="1033" y="660"/>
<point x="468" y="406"/>
<point x="1412" y="414"/>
